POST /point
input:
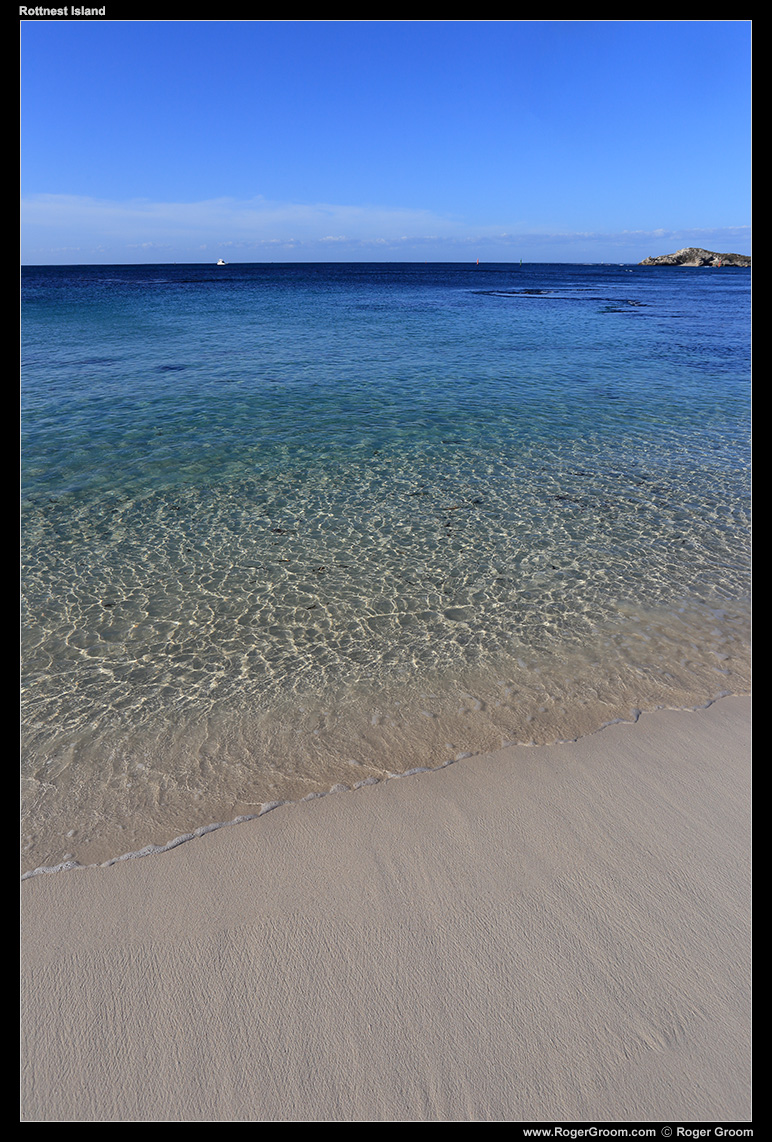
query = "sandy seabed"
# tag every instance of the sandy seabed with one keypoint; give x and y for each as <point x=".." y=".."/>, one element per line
<point x="556" y="932"/>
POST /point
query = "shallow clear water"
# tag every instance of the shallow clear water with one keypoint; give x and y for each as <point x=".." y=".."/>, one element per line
<point x="286" y="527"/>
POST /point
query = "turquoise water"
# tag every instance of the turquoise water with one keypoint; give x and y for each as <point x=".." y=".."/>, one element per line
<point x="296" y="526"/>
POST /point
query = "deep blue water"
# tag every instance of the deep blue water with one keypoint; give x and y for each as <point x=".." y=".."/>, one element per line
<point x="186" y="373"/>
<point x="338" y="513"/>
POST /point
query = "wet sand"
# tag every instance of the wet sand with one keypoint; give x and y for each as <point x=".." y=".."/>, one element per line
<point x="556" y="932"/>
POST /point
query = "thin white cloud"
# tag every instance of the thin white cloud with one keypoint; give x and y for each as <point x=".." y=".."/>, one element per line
<point x="56" y="227"/>
<point x="255" y="220"/>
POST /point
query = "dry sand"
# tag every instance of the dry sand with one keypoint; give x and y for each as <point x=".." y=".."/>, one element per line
<point x="559" y="932"/>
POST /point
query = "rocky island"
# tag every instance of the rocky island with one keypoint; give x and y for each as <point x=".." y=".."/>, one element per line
<point x="692" y="256"/>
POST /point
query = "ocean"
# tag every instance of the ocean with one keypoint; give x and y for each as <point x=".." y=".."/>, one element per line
<point x="291" y="528"/>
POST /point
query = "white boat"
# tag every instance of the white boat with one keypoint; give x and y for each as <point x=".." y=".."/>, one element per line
<point x="220" y="262"/>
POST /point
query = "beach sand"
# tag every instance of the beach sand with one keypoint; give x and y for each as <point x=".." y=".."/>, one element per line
<point x="559" y="932"/>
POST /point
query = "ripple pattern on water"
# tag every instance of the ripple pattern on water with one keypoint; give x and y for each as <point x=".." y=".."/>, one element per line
<point x="313" y="566"/>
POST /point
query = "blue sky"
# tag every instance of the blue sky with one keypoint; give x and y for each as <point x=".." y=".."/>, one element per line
<point x="186" y="141"/>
